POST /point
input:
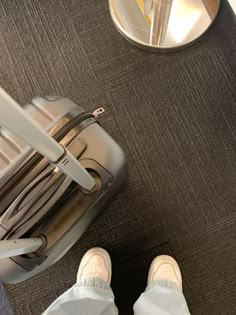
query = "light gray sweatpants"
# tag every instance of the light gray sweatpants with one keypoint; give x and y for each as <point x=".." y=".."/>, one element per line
<point x="93" y="296"/>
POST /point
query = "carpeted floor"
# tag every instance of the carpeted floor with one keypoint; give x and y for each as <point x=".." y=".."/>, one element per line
<point x="175" y="116"/>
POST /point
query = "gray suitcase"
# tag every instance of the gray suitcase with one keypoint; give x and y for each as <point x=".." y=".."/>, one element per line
<point x="38" y="202"/>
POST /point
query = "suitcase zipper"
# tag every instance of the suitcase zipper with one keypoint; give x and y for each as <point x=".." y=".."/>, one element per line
<point x="99" y="111"/>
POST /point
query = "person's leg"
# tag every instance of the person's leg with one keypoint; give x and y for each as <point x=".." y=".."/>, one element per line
<point x="163" y="295"/>
<point x="91" y="295"/>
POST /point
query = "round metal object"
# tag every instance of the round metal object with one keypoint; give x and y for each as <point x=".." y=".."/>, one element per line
<point x="163" y="24"/>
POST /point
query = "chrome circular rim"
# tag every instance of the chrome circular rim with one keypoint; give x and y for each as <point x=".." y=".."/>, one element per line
<point x="169" y="24"/>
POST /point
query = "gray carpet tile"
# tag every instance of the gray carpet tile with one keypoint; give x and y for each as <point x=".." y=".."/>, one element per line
<point x="5" y="308"/>
<point x="175" y="116"/>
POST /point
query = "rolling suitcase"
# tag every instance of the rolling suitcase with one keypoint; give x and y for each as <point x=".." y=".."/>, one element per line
<point x="58" y="169"/>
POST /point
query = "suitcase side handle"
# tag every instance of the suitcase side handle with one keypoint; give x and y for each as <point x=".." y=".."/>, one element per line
<point x="13" y="118"/>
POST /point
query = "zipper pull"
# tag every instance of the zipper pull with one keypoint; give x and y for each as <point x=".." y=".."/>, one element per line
<point x="99" y="111"/>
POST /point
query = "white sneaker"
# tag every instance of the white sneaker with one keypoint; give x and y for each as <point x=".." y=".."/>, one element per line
<point x="165" y="267"/>
<point x="96" y="263"/>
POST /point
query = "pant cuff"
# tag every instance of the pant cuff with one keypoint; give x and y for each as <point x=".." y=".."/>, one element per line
<point x="164" y="283"/>
<point x="94" y="283"/>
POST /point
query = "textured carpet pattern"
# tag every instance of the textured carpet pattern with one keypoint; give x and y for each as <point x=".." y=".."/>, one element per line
<point x="175" y="116"/>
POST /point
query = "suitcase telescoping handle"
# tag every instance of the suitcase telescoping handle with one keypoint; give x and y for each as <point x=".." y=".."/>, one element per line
<point x="11" y="248"/>
<point x="13" y="118"/>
